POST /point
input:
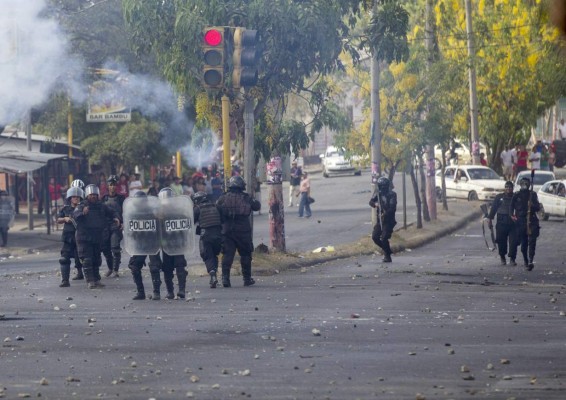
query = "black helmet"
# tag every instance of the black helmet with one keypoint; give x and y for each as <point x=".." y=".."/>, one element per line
<point x="200" y="197"/>
<point x="92" y="189"/>
<point x="525" y="183"/>
<point x="112" y="179"/>
<point x="383" y="184"/>
<point x="165" y="193"/>
<point x="140" y="193"/>
<point x="237" y="183"/>
<point x="509" y="185"/>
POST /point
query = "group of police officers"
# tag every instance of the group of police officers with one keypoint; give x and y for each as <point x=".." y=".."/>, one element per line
<point x="162" y="228"/>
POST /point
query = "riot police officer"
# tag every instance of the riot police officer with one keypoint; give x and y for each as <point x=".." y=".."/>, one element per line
<point x="524" y="208"/>
<point x="113" y="234"/>
<point x="69" y="250"/>
<point x="210" y="230"/>
<point x="141" y="237"/>
<point x="172" y="237"/>
<point x="384" y="201"/>
<point x="505" y="228"/>
<point x="235" y="207"/>
<point x="91" y="217"/>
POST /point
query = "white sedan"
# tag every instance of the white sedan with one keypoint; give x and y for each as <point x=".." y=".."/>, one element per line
<point x="552" y="200"/>
<point x="471" y="182"/>
<point x="541" y="177"/>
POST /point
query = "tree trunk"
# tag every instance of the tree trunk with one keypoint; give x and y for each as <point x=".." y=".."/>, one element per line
<point x="426" y="215"/>
<point x="417" y="197"/>
<point x="276" y="217"/>
<point x="443" y="181"/>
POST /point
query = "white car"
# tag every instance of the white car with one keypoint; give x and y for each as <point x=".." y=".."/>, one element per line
<point x="471" y="182"/>
<point x="541" y="177"/>
<point x="334" y="163"/>
<point x="552" y="200"/>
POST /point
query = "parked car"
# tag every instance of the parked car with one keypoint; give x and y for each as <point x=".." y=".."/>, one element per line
<point x="552" y="200"/>
<point x="463" y="154"/>
<point x="541" y="177"/>
<point x="471" y="182"/>
<point x="334" y="163"/>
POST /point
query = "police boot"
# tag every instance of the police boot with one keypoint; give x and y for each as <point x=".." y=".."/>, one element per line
<point x="503" y="260"/>
<point x="530" y="265"/>
<point x="139" y="286"/>
<point x="213" y="280"/>
<point x="226" y="277"/>
<point x="387" y="258"/>
<point x="79" y="275"/>
<point x="89" y="274"/>
<point x="182" y="277"/>
<point x="246" y="263"/>
<point x="156" y="281"/>
<point x="65" y="272"/>
<point x="117" y="259"/>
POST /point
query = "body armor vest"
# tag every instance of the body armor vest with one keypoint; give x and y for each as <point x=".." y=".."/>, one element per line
<point x="236" y="205"/>
<point x="67" y="211"/>
<point x="209" y="216"/>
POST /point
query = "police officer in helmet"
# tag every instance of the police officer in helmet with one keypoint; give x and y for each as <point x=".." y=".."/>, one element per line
<point x="69" y="250"/>
<point x="384" y="201"/>
<point x="505" y="229"/>
<point x="524" y="208"/>
<point x="235" y="207"/>
<point x="91" y="217"/>
<point x="210" y="230"/>
<point x="113" y="233"/>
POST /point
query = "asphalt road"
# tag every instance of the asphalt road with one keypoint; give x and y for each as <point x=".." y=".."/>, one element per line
<point x="441" y="322"/>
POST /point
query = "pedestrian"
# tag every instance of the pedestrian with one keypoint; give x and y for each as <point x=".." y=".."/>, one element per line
<point x="534" y="158"/>
<point x="305" y="194"/>
<point x="524" y="208"/>
<point x="217" y="184"/>
<point x="294" y="182"/>
<point x="522" y="158"/>
<point x="384" y="201"/>
<point x="561" y="129"/>
<point x="141" y="228"/>
<point x="176" y="186"/>
<point x="92" y="217"/>
<point x="210" y="230"/>
<point x="235" y="207"/>
<point x="55" y="195"/>
<point x="154" y="189"/>
<point x="483" y="161"/>
<point x="6" y="215"/>
<point x="135" y="184"/>
<point x="123" y="185"/>
<point x="102" y="185"/>
<point x="113" y="233"/>
<point x="172" y="265"/>
<point x="544" y="158"/>
<point x="505" y="233"/>
<point x="507" y="163"/>
<point x="69" y="249"/>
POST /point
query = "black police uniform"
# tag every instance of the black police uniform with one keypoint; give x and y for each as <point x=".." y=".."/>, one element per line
<point x="505" y="231"/>
<point x="527" y="233"/>
<point x="113" y="236"/>
<point x="90" y="228"/>
<point x="174" y="263"/>
<point x="69" y="249"/>
<point x="385" y="205"/>
<point x="235" y="207"/>
<point x="210" y="230"/>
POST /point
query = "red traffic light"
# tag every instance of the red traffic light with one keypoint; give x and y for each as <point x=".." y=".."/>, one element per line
<point x="213" y="37"/>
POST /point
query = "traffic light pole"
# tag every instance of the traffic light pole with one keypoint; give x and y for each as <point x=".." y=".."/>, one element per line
<point x="226" y="138"/>
<point x="249" y="160"/>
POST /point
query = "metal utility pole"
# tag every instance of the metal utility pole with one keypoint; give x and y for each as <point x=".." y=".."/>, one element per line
<point x="226" y="138"/>
<point x="429" y="156"/>
<point x="249" y="159"/>
<point x="27" y="125"/>
<point x="473" y="94"/>
<point x="375" y="119"/>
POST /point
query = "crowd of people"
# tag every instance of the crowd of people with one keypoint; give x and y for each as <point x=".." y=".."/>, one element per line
<point x="517" y="159"/>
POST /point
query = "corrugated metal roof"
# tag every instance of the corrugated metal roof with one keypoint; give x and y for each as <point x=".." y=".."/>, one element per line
<point x="14" y="161"/>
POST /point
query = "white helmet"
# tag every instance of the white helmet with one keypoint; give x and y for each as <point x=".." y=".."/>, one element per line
<point x="92" y="189"/>
<point x="78" y="183"/>
<point x="75" y="192"/>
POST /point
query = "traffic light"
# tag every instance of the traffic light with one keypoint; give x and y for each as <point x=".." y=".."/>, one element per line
<point x="213" y="56"/>
<point x="245" y="58"/>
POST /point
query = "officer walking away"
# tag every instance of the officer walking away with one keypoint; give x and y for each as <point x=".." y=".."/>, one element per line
<point x="69" y="250"/>
<point x="505" y="229"/>
<point x="235" y="207"/>
<point x="113" y="233"/>
<point x="91" y="217"/>
<point x="141" y="234"/>
<point x="384" y="201"/>
<point x="173" y="263"/>
<point x="210" y="230"/>
<point x="524" y="207"/>
<point x="6" y="215"/>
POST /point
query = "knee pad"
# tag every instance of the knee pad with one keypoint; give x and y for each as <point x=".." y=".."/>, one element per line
<point x="65" y="261"/>
<point x="181" y="271"/>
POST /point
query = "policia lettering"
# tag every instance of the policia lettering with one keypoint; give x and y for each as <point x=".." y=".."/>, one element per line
<point x="142" y="225"/>
<point x="177" y="225"/>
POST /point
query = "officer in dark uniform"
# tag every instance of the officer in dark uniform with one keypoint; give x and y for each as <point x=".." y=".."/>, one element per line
<point x="137" y="262"/>
<point x="173" y="263"/>
<point x="235" y="208"/>
<point x="210" y="230"/>
<point x="523" y="203"/>
<point x="69" y="250"/>
<point x="505" y="228"/>
<point x="91" y="217"/>
<point x="113" y="234"/>
<point x="384" y="201"/>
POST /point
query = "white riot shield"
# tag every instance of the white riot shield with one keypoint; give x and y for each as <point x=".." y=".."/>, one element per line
<point x="141" y="226"/>
<point x="7" y="211"/>
<point x="177" y="225"/>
